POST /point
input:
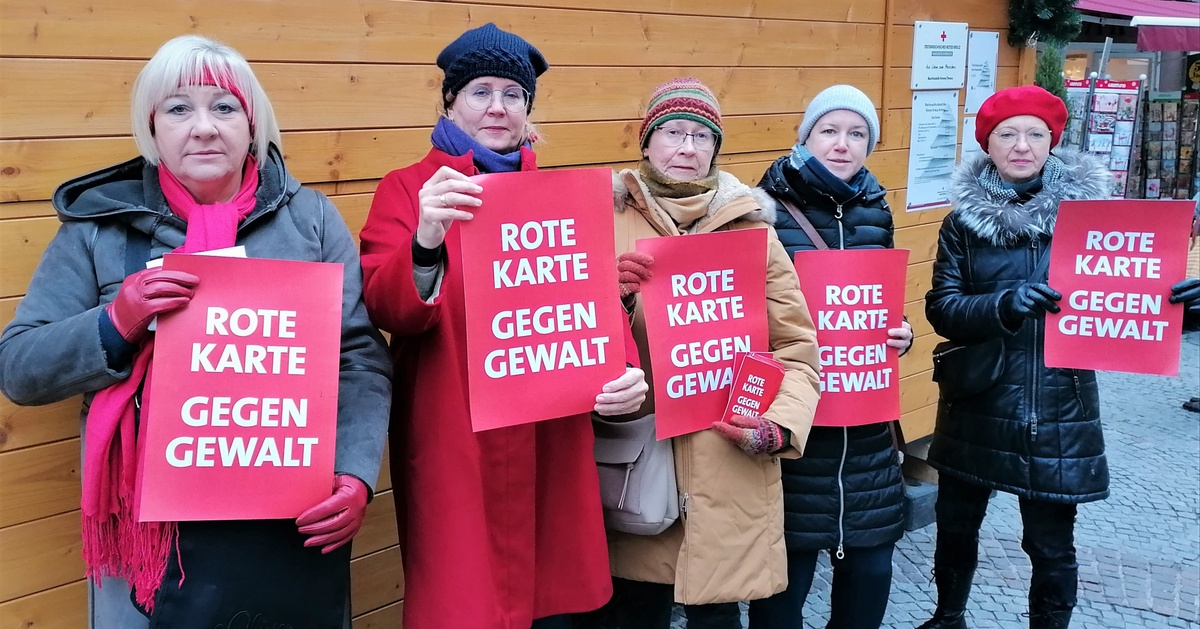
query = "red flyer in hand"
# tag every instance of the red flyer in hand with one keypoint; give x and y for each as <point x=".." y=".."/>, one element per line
<point x="757" y="381"/>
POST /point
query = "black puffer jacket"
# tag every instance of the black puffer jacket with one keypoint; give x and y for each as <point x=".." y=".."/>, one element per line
<point x="847" y="489"/>
<point x="1037" y="432"/>
<point x="865" y="221"/>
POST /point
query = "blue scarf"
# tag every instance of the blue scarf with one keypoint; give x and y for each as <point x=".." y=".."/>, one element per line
<point x="841" y="191"/>
<point x="449" y="138"/>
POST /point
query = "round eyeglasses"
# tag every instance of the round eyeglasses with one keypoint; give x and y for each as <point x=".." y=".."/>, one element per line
<point x="515" y="99"/>
<point x="703" y="141"/>
<point x="1033" y="137"/>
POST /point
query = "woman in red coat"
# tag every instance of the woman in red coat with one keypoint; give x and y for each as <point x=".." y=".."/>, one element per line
<point x="500" y="529"/>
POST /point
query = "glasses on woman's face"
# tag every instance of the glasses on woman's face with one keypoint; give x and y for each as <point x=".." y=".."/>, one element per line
<point x="479" y="97"/>
<point x="703" y="141"/>
<point x="1007" y="138"/>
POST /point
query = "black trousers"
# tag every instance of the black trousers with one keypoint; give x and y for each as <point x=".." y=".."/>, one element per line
<point x="1048" y="537"/>
<point x="862" y="580"/>
<point x="553" y="622"/>
<point x="641" y="605"/>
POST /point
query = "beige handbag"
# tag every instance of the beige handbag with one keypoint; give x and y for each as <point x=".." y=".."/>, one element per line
<point x="637" y="476"/>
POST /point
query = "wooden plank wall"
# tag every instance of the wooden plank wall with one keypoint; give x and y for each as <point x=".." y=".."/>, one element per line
<point x="355" y="88"/>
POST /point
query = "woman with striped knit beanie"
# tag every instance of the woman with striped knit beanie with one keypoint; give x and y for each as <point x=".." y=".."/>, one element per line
<point x="729" y="546"/>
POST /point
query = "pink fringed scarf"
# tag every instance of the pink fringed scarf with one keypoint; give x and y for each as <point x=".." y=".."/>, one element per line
<point x="114" y="542"/>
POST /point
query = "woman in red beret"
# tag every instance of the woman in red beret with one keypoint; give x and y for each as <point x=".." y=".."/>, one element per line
<point x="1032" y="431"/>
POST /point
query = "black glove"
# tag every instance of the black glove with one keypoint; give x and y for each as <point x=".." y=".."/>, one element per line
<point x="1187" y="293"/>
<point x="1029" y="301"/>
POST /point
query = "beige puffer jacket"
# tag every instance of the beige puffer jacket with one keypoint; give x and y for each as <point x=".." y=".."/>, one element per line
<point x="728" y="544"/>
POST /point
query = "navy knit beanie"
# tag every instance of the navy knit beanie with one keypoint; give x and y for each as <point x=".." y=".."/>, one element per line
<point x="489" y="51"/>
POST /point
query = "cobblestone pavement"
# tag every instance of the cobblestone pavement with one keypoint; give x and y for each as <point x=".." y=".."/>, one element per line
<point x="1138" y="551"/>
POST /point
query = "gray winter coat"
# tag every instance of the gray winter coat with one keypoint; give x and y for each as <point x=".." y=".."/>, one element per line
<point x="52" y="351"/>
<point x="1035" y="433"/>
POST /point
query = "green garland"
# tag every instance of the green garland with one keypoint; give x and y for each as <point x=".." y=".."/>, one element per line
<point x="1050" y="21"/>
<point x="1049" y="72"/>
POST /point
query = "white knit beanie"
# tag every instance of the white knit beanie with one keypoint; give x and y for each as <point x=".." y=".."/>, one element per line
<point x="841" y="97"/>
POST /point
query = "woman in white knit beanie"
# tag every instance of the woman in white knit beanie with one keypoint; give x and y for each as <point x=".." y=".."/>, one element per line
<point x="845" y="496"/>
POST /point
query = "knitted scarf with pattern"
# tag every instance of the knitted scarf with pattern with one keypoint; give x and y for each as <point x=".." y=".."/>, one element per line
<point x="1005" y="192"/>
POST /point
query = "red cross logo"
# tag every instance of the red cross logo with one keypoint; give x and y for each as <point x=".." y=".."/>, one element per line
<point x="943" y="36"/>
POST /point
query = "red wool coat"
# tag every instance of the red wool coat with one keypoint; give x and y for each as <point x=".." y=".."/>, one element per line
<point x="497" y="528"/>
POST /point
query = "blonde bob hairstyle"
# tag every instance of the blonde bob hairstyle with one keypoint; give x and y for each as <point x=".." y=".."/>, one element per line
<point x="195" y="60"/>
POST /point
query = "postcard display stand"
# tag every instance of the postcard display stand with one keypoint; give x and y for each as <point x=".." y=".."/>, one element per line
<point x="1103" y="121"/>
<point x="1189" y="128"/>
<point x="1171" y="146"/>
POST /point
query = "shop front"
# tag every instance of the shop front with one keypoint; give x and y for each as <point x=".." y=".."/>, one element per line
<point x="1129" y="96"/>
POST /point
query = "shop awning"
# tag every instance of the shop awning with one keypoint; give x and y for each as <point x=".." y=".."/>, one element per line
<point x="1167" y="33"/>
<point x="1162" y="25"/>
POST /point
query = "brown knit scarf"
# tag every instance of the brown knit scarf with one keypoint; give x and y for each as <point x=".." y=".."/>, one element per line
<point x="661" y="185"/>
<point x="684" y="201"/>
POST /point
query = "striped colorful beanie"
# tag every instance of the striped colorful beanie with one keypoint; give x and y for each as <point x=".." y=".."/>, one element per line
<point x="682" y="99"/>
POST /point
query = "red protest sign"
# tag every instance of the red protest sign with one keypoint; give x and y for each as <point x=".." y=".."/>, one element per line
<point x="757" y="378"/>
<point x="543" y="320"/>
<point x="1114" y="263"/>
<point x="855" y="296"/>
<point x="699" y="314"/>
<point x="243" y="393"/>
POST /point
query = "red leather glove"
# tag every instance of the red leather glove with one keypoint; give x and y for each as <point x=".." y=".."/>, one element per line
<point x="336" y="520"/>
<point x="633" y="268"/>
<point x="147" y="294"/>
<point x="754" y="435"/>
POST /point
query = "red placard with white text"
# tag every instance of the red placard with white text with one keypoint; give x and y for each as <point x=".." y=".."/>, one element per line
<point x="855" y="296"/>
<point x="757" y="378"/>
<point x="242" y="397"/>
<point x="700" y="310"/>
<point x="543" y="314"/>
<point x="1114" y="263"/>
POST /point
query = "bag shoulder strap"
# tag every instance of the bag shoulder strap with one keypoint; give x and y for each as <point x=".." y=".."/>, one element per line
<point x="898" y="441"/>
<point x="805" y="224"/>
<point x="1041" y="272"/>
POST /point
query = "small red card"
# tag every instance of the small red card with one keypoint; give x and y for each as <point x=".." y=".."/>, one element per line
<point x="757" y="381"/>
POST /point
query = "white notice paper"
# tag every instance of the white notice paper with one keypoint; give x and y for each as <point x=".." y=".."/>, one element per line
<point x="982" y="49"/>
<point x="970" y="148"/>
<point x="237" y="251"/>
<point x="932" y="148"/>
<point x="939" y="55"/>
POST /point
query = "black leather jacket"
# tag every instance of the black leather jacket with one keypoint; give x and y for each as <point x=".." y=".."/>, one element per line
<point x="1037" y="432"/>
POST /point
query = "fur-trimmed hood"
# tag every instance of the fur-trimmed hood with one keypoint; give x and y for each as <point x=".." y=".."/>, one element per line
<point x="733" y="201"/>
<point x="1002" y="223"/>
